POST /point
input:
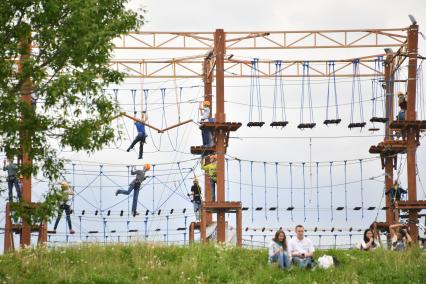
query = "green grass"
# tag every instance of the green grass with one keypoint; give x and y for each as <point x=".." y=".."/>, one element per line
<point x="142" y="263"/>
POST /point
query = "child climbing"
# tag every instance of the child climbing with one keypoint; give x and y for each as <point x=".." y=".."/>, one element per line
<point x="135" y="186"/>
<point x="210" y="168"/>
<point x="63" y="205"/>
<point x="12" y="178"/>
<point x="196" y="198"/>
<point x="141" y="136"/>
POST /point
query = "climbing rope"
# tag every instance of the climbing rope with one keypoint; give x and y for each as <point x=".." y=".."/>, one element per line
<point x="332" y="89"/>
<point x="356" y="91"/>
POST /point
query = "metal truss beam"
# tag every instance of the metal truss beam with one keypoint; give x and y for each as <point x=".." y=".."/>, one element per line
<point x="193" y="68"/>
<point x="358" y="38"/>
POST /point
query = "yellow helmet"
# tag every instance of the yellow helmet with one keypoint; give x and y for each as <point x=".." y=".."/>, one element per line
<point x="65" y="185"/>
<point x="206" y="103"/>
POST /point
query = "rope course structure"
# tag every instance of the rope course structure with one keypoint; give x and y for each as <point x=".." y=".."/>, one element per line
<point x="99" y="217"/>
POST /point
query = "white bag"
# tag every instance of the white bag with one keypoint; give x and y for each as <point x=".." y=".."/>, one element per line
<point x="325" y="261"/>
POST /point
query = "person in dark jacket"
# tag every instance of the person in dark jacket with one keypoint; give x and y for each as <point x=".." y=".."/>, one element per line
<point x="12" y="178"/>
<point x="135" y="186"/>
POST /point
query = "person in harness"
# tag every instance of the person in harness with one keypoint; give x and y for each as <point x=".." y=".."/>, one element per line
<point x="141" y="137"/>
<point x="66" y="191"/>
<point x="196" y="198"/>
<point x="135" y="186"/>
<point x="12" y="178"/>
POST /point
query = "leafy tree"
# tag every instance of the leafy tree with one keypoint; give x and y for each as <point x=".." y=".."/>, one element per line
<point x="63" y="47"/>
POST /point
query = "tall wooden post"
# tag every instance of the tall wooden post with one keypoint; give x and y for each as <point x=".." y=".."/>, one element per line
<point x="388" y="136"/>
<point x="25" y="136"/>
<point x="412" y="43"/>
<point x="208" y="79"/>
<point x="219" y="50"/>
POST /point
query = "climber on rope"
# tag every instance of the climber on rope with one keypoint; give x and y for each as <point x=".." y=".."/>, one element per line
<point x="12" y="178"/>
<point x="210" y="169"/>
<point x="141" y="137"/>
<point x="66" y="191"/>
<point x="135" y="185"/>
<point x="206" y="134"/>
<point x="396" y="192"/>
<point x="196" y="198"/>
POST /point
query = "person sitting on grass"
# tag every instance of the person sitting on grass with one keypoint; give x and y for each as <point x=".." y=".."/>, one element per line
<point x="301" y="249"/>
<point x="400" y="238"/>
<point x="368" y="242"/>
<point x="278" y="250"/>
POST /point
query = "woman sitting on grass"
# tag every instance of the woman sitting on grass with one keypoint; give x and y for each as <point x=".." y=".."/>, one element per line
<point x="368" y="243"/>
<point x="400" y="237"/>
<point x="278" y="250"/>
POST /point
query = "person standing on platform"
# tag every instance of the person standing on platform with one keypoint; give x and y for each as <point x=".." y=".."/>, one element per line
<point x="12" y="178"/>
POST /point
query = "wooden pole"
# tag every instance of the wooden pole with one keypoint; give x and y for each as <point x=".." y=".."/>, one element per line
<point x="8" y="232"/>
<point x="208" y="79"/>
<point x="219" y="49"/>
<point x="25" y="136"/>
<point x="412" y="43"/>
<point x="389" y="115"/>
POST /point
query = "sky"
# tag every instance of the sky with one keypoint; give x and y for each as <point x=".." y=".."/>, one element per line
<point x="314" y="192"/>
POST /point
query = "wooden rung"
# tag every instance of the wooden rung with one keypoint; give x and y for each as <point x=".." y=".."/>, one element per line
<point x="373" y="129"/>
<point x="306" y="125"/>
<point x="279" y="123"/>
<point x="340" y="208"/>
<point x="357" y="208"/>
<point x="357" y="125"/>
<point x="332" y="121"/>
<point x="255" y="124"/>
<point x="379" y="119"/>
<point x="290" y="208"/>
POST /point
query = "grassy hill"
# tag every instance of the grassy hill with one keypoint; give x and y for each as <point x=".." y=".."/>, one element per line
<point x="144" y="263"/>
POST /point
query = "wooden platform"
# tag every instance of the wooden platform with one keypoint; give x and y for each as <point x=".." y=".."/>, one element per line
<point x="389" y="148"/>
<point x="227" y="126"/>
<point x="407" y="205"/>
<point x="230" y="206"/>
<point x="407" y="124"/>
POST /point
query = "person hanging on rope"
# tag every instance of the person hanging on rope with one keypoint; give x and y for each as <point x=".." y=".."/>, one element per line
<point x="196" y="198"/>
<point x="211" y="168"/>
<point x="66" y="191"/>
<point x="206" y="134"/>
<point x="135" y="186"/>
<point x="396" y="192"/>
<point x="141" y="137"/>
<point x="12" y="178"/>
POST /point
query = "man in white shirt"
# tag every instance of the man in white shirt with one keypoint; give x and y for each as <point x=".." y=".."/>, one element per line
<point x="301" y="249"/>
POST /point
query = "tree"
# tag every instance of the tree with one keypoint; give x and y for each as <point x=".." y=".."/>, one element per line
<point x="57" y="52"/>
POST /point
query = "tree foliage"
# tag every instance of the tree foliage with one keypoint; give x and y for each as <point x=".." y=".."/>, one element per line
<point x="67" y="67"/>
